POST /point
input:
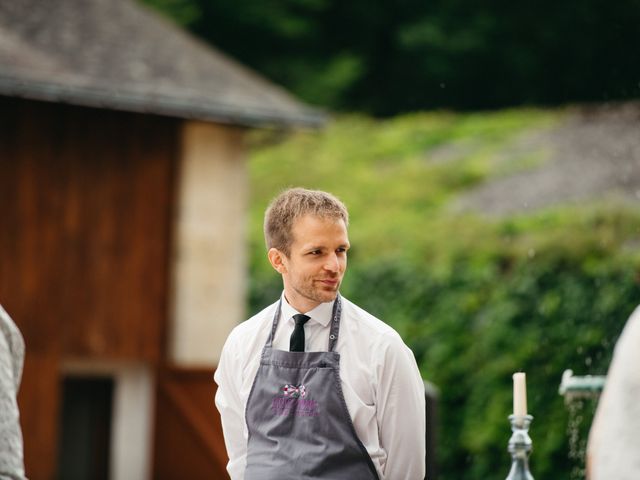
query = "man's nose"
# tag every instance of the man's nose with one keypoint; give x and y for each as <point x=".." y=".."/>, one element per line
<point x="333" y="263"/>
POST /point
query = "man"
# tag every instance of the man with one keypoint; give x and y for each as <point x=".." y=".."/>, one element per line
<point x="313" y="386"/>
<point x="11" y="361"/>
<point x="612" y="452"/>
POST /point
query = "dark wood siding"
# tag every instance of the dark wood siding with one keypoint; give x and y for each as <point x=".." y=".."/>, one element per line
<point x="85" y="243"/>
<point x="85" y="205"/>
<point x="188" y="435"/>
<point x="39" y="402"/>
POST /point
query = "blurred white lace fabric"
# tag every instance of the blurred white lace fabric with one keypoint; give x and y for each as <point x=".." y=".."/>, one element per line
<point x="11" y="362"/>
<point x="614" y="451"/>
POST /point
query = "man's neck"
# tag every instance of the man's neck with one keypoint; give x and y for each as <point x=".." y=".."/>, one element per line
<point x="301" y="304"/>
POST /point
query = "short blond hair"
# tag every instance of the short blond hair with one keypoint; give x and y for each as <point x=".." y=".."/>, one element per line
<point x="292" y="204"/>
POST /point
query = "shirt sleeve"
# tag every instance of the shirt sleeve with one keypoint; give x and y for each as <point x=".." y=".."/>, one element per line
<point x="231" y="408"/>
<point x="401" y="413"/>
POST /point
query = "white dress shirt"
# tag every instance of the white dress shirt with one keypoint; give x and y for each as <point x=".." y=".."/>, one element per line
<point x="381" y="383"/>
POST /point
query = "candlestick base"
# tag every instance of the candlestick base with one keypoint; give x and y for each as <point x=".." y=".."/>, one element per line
<point x="520" y="446"/>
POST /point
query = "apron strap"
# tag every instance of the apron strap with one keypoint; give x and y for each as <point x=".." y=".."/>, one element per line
<point x="335" y="323"/>
<point x="274" y="326"/>
<point x="333" y="331"/>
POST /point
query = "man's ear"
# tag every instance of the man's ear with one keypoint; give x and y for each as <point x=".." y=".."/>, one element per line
<point x="276" y="258"/>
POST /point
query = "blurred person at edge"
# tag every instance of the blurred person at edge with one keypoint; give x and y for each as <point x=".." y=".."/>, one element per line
<point x="11" y="361"/>
<point x="341" y="397"/>
<point x="613" y="452"/>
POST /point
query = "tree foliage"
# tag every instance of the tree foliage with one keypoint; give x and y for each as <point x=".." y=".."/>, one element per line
<point x="386" y="57"/>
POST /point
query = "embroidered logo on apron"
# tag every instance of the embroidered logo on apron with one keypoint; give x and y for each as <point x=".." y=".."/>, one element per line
<point x="294" y="402"/>
<point x="293" y="391"/>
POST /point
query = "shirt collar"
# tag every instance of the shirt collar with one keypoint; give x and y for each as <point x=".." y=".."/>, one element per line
<point x="321" y="314"/>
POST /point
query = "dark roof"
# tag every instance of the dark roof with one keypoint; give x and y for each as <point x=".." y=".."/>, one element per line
<point x="119" y="55"/>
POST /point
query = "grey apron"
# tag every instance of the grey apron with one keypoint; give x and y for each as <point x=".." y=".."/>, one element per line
<point x="298" y="422"/>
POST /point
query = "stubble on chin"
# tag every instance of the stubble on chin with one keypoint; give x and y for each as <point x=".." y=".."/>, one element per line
<point x="319" y="295"/>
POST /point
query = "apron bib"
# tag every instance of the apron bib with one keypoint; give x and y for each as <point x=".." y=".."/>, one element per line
<point x="297" y="418"/>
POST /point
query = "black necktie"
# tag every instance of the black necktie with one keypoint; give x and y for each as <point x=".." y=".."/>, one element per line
<point x="296" y="343"/>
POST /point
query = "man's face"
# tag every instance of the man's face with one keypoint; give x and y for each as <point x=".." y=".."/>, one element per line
<point x="313" y="271"/>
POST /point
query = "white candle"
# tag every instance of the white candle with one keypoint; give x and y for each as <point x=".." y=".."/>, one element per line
<point x="519" y="394"/>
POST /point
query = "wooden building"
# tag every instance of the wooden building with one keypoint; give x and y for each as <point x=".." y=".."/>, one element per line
<point x="123" y="198"/>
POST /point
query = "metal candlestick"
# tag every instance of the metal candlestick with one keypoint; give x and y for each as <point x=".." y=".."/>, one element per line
<point x="520" y="447"/>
